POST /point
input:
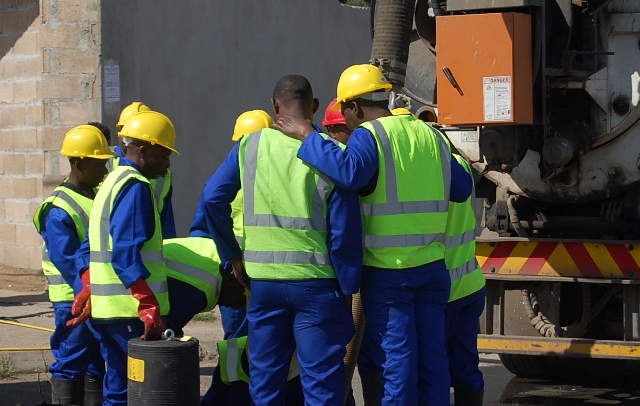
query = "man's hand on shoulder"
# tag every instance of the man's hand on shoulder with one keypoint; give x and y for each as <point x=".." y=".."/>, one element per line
<point x="294" y="127"/>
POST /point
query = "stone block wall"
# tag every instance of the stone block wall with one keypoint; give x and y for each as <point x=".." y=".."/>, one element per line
<point x="49" y="83"/>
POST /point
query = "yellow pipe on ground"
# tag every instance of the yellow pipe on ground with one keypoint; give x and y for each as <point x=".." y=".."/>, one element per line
<point x="26" y="349"/>
<point x="13" y="323"/>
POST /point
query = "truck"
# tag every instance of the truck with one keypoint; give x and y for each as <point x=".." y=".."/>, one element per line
<point x="541" y="98"/>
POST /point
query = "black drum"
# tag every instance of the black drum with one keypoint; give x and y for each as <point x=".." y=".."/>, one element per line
<point x="165" y="372"/>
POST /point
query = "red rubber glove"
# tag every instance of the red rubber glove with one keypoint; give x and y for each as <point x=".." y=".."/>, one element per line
<point x="81" y="306"/>
<point x="148" y="310"/>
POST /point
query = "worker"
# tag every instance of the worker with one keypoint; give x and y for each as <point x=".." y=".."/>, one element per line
<point x="466" y="301"/>
<point x="302" y="247"/>
<point x="125" y="287"/>
<point x="62" y="220"/>
<point x="162" y="186"/>
<point x="196" y="281"/>
<point x="233" y="320"/>
<point x="407" y="177"/>
<point x="335" y="123"/>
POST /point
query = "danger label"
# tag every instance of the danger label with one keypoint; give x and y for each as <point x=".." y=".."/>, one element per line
<point x="497" y="98"/>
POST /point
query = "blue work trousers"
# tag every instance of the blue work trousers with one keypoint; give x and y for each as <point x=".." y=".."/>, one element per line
<point x="185" y="301"/>
<point x="113" y="346"/>
<point x="312" y="316"/>
<point x="404" y="310"/>
<point x="75" y="351"/>
<point x="462" y="323"/>
<point x="234" y="321"/>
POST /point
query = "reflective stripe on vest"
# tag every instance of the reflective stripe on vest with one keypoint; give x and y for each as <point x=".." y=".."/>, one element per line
<point x="405" y="234"/>
<point x="268" y="235"/>
<point x="110" y="299"/>
<point x="460" y="246"/>
<point x="77" y="207"/>
<point x="195" y="261"/>
<point x="232" y="353"/>
<point x="161" y="187"/>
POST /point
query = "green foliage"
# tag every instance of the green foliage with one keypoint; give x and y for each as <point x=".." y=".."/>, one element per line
<point x="358" y="3"/>
<point x="206" y="316"/>
<point x="7" y="369"/>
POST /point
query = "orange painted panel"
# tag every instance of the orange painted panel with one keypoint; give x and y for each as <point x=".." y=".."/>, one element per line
<point x="488" y="57"/>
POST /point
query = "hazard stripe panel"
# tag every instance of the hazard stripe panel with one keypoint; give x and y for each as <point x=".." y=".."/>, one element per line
<point x="555" y="258"/>
<point x="559" y="346"/>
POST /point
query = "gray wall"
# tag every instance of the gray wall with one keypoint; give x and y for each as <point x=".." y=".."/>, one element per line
<point x="202" y="63"/>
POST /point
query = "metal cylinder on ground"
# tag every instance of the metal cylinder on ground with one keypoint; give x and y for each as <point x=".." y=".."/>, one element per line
<point x="165" y="372"/>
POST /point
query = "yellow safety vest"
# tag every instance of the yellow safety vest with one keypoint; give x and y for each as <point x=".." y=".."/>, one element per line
<point x="236" y="216"/>
<point x="194" y="260"/>
<point x="404" y="218"/>
<point x="284" y="210"/>
<point x="233" y="360"/>
<point x="77" y="207"/>
<point x="109" y="298"/>
<point x="460" y="247"/>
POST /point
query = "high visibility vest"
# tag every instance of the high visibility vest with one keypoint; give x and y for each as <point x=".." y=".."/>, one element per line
<point x="460" y="246"/>
<point x="77" y="207"/>
<point x="160" y="186"/>
<point x="234" y="362"/>
<point x="284" y="210"/>
<point x="236" y="216"/>
<point x="404" y="218"/>
<point x="194" y="260"/>
<point x="109" y="298"/>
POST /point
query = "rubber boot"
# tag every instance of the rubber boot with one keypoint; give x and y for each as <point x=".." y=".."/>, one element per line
<point x="65" y="392"/>
<point x="93" y="391"/>
<point x="468" y="397"/>
<point x="371" y="389"/>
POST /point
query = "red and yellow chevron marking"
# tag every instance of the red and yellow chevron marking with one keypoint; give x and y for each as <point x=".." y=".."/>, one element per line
<point x="554" y="258"/>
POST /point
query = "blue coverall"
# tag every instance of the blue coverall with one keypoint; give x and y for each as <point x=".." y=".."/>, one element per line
<point x="404" y="309"/>
<point x="166" y="215"/>
<point x="285" y="313"/>
<point x="75" y="350"/>
<point x="461" y="320"/>
<point x="234" y="321"/>
<point x="132" y="224"/>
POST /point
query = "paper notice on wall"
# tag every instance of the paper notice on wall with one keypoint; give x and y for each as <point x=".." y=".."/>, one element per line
<point x="112" y="83"/>
<point x="497" y="98"/>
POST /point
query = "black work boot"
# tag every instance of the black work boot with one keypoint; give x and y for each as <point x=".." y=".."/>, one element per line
<point x="66" y="392"/>
<point x="468" y="397"/>
<point x="93" y="391"/>
<point x="371" y="389"/>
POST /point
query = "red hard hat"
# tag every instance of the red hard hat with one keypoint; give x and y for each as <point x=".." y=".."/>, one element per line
<point x="332" y="117"/>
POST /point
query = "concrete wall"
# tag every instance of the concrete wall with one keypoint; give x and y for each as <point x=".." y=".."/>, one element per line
<point x="49" y="83"/>
<point x="202" y="63"/>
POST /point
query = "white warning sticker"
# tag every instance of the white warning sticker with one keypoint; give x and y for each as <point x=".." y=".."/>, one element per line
<point x="497" y="98"/>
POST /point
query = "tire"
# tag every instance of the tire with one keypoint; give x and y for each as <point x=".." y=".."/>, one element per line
<point x="527" y="366"/>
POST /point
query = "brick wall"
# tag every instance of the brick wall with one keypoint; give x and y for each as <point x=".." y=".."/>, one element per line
<point x="49" y="83"/>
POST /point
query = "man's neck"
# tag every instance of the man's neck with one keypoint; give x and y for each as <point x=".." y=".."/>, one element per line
<point x="79" y="186"/>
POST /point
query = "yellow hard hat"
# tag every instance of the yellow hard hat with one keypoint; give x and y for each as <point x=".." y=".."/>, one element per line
<point x="359" y="80"/>
<point x="152" y="127"/>
<point x="251" y="121"/>
<point x="86" y="141"/>
<point x="401" y="111"/>
<point x="130" y="110"/>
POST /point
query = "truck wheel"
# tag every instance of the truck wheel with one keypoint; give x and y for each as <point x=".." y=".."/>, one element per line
<point x="526" y="366"/>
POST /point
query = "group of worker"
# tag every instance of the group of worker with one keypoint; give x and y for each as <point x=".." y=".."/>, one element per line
<point x="299" y="218"/>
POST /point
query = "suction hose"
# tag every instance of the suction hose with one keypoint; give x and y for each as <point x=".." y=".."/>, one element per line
<point x="353" y="348"/>
<point x="393" y="21"/>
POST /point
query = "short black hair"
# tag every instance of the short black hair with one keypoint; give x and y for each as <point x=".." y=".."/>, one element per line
<point x="103" y="128"/>
<point x="293" y="88"/>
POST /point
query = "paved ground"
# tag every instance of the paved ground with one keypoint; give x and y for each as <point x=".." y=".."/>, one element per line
<point x="25" y="350"/>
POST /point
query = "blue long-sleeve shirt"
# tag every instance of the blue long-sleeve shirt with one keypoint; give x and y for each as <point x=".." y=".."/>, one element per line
<point x="167" y="220"/>
<point x="199" y="227"/>
<point x="61" y="239"/>
<point x="357" y="166"/>
<point x="344" y="226"/>
<point x="132" y="224"/>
